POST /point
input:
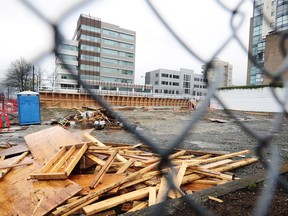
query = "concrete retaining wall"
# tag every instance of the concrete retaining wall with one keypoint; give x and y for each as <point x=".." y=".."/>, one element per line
<point x="255" y="100"/>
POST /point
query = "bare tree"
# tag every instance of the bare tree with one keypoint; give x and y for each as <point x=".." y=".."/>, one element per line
<point x="19" y="76"/>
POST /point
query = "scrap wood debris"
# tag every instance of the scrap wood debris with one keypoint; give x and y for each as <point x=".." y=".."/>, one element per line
<point x="99" y="118"/>
<point x="92" y="177"/>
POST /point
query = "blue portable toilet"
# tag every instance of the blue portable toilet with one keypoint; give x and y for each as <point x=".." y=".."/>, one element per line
<point x="28" y="108"/>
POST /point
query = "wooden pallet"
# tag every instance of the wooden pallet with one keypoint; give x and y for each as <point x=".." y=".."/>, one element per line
<point x="62" y="164"/>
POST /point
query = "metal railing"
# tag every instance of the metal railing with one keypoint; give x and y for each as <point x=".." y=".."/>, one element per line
<point x="263" y="140"/>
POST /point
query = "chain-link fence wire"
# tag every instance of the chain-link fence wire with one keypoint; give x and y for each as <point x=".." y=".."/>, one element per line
<point x="264" y="141"/>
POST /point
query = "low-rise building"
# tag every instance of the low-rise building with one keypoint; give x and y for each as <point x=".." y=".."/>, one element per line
<point x="182" y="83"/>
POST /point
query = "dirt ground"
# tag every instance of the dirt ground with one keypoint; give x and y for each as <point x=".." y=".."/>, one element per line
<point x="163" y="126"/>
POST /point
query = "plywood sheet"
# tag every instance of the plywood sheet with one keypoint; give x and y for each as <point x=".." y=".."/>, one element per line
<point x="78" y="134"/>
<point x="46" y="143"/>
<point x="22" y="197"/>
<point x="20" y="148"/>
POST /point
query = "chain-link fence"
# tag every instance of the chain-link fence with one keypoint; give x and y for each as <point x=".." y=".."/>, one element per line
<point x="264" y="141"/>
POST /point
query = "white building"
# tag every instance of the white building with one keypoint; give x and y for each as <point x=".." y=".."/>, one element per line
<point x="183" y="83"/>
<point x="67" y="65"/>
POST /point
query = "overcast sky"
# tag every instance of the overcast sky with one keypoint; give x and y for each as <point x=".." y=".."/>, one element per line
<point x="203" y="25"/>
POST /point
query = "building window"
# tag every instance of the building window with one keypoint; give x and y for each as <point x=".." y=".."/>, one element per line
<point x="164" y="75"/>
<point x="157" y="75"/>
<point x="90" y="38"/>
<point x="89" y="48"/>
<point x="68" y="47"/>
<point x="186" y="84"/>
<point x="126" y="54"/>
<point x="109" y="51"/>
<point x="127" y="46"/>
<point x="187" y="77"/>
<point x="126" y="36"/>
<point x="176" y="77"/>
<point x="89" y="58"/>
<point x="89" y="67"/>
<point x="67" y="57"/>
<point x="127" y="72"/>
<point x="109" y="32"/>
<point x="109" y="61"/>
<point x="90" y="28"/>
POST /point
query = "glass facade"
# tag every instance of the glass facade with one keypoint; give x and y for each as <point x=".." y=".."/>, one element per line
<point x="278" y="22"/>
<point x="282" y="15"/>
<point x="258" y="45"/>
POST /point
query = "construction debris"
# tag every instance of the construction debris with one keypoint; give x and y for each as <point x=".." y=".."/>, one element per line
<point x="97" y="118"/>
<point x="67" y="174"/>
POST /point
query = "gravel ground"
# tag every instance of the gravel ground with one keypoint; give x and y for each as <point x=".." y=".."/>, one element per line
<point x="163" y="126"/>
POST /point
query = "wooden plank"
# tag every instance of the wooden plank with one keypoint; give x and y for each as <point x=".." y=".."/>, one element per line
<point x="103" y="170"/>
<point x="63" y="159"/>
<point x="125" y="166"/>
<point x="76" y="159"/>
<point x="112" y="202"/>
<point x="152" y="196"/>
<point x="122" y="170"/>
<point x="28" y="196"/>
<point x="49" y="176"/>
<point x="218" y="158"/>
<point x="46" y="143"/>
<point x="139" y="206"/>
<point x="20" y="148"/>
<point x="212" y="173"/>
<point x="217" y="164"/>
<point x="84" y="180"/>
<point x="53" y="160"/>
<point x="177" y="182"/>
<point x="15" y="165"/>
<point x="16" y="160"/>
<point x="163" y="190"/>
<point x="134" y="182"/>
<point x="95" y="158"/>
<point x="90" y="198"/>
<point x="192" y="177"/>
<point x="194" y="186"/>
<point x="215" y="199"/>
<point x="98" y="143"/>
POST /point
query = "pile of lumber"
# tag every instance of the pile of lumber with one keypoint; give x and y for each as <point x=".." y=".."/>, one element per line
<point x="76" y="173"/>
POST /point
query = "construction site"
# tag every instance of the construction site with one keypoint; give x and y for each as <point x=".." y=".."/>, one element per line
<point x="67" y="163"/>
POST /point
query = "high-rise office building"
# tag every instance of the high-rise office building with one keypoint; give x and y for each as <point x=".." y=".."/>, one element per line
<point x="270" y="17"/>
<point x="224" y="68"/>
<point x="106" y="56"/>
